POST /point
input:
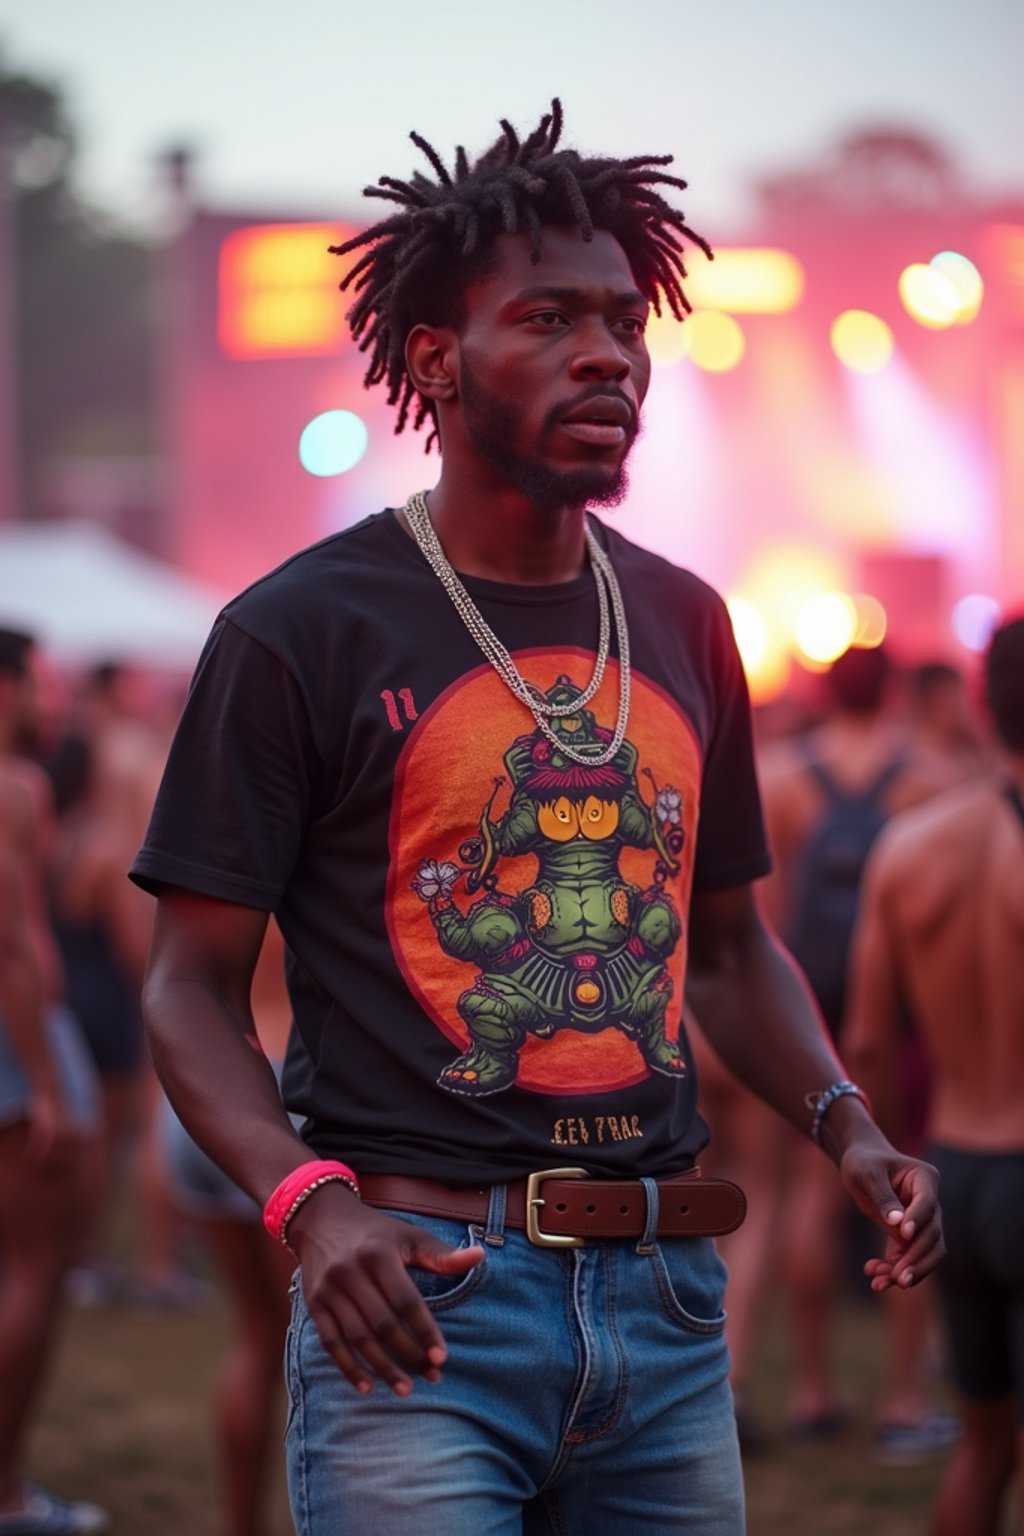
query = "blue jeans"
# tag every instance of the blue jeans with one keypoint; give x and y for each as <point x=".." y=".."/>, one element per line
<point x="585" y="1394"/>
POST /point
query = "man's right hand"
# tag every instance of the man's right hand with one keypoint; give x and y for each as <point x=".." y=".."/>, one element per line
<point x="371" y="1319"/>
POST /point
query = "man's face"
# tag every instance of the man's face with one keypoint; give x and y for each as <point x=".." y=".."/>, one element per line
<point x="20" y="707"/>
<point x="553" y="367"/>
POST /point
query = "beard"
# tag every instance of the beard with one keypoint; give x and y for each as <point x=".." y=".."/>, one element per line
<point x="495" y="424"/>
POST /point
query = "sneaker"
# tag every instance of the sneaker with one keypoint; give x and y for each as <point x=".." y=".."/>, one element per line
<point x="906" y="1445"/>
<point x="47" y="1515"/>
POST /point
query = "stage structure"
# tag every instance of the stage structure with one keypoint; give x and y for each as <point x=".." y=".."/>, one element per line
<point x="830" y="437"/>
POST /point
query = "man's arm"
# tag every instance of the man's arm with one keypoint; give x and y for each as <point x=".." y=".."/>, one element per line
<point x="758" y="1013"/>
<point x="872" y="1022"/>
<point x="51" y="1132"/>
<point x="369" y="1314"/>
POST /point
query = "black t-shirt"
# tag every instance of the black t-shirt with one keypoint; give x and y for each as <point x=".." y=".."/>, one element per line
<point x="486" y="941"/>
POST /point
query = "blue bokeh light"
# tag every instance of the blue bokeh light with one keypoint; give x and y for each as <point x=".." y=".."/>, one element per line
<point x="333" y="443"/>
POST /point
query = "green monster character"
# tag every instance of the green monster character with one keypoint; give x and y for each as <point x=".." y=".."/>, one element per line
<point x="582" y="948"/>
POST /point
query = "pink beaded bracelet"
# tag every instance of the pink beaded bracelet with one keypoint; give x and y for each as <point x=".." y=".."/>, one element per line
<point x="296" y="1187"/>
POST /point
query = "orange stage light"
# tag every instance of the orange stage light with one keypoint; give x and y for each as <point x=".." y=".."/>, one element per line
<point x="825" y="627"/>
<point x="278" y="291"/>
<point x="872" y="622"/>
<point x="762" y="652"/>
<point x="747" y="281"/>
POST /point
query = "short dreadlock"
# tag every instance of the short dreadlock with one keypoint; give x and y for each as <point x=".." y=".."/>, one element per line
<point x="421" y="259"/>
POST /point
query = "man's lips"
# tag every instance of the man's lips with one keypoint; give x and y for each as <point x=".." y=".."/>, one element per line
<point x="604" y="421"/>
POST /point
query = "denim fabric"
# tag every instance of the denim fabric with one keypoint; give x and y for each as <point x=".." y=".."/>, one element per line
<point x="585" y="1394"/>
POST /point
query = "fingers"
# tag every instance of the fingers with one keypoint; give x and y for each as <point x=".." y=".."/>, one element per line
<point x="370" y="1316"/>
<point x="905" y="1264"/>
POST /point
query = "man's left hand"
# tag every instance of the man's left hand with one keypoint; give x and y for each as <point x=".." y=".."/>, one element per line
<point x="901" y="1195"/>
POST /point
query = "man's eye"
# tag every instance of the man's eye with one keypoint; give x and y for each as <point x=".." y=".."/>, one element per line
<point x="633" y="324"/>
<point x="548" y="317"/>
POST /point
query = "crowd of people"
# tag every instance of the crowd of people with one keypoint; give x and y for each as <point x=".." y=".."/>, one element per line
<point x="104" y="1199"/>
<point x="85" y="1128"/>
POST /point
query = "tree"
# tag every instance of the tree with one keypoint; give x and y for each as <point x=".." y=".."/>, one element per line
<point x="84" y="363"/>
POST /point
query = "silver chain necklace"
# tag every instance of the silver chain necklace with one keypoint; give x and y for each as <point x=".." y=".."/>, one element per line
<point x="417" y="515"/>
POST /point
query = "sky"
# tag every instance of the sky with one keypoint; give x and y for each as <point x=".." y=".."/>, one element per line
<point x="294" y="105"/>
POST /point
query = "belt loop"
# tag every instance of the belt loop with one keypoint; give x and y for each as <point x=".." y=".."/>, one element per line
<point x="494" y="1236"/>
<point x="648" y="1239"/>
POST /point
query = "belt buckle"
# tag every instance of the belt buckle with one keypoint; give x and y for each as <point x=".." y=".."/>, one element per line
<point x="534" y="1201"/>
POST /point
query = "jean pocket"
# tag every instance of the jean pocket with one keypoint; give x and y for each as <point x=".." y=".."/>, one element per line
<point x="442" y="1292"/>
<point x="689" y="1277"/>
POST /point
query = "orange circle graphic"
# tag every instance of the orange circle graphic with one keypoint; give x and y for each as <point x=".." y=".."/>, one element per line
<point x="452" y="772"/>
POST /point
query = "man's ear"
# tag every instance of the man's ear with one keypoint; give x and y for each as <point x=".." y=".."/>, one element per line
<point x="432" y="358"/>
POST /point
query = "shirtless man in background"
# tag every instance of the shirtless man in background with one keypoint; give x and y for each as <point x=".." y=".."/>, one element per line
<point x="47" y="1112"/>
<point x="942" y="928"/>
<point x="860" y="749"/>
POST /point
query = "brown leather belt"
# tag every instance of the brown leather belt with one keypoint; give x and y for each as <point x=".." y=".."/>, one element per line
<point x="564" y="1207"/>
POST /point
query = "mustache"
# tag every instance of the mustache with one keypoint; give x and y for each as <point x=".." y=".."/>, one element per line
<point x="594" y="392"/>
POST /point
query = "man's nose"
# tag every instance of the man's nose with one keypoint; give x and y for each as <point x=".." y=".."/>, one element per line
<point x="599" y="355"/>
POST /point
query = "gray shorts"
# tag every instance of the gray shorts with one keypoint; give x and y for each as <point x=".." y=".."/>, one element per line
<point x="75" y="1072"/>
<point x="199" y="1187"/>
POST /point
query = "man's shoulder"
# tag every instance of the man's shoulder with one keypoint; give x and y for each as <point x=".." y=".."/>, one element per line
<point x="312" y="566"/>
<point x="951" y="817"/>
<point x="316" y="577"/>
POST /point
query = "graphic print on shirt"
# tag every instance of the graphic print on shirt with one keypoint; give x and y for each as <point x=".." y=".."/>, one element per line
<point x="535" y="902"/>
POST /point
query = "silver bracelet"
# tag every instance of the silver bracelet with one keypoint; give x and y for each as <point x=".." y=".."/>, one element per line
<point x="822" y="1102"/>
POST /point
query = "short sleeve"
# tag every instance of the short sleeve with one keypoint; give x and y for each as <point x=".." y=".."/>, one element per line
<point x="242" y="772"/>
<point x="732" y="846"/>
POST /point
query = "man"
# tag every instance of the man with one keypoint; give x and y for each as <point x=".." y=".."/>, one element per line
<point x="48" y="1163"/>
<point x="827" y="795"/>
<point x="481" y="864"/>
<point x="943" y="929"/>
<point x="942" y="722"/>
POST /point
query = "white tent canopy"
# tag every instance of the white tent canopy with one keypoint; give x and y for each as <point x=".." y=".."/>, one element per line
<point x="88" y="597"/>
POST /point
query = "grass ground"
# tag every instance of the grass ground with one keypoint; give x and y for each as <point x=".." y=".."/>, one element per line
<point x="126" y="1422"/>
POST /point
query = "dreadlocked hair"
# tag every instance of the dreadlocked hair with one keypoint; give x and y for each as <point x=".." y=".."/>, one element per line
<point x="417" y="262"/>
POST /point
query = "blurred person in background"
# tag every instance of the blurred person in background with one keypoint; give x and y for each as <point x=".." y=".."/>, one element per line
<point x="942" y="930"/>
<point x="748" y="1146"/>
<point x="105" y="772"/>
<point x="827" y="795"/>
<point x="103" y="933"/>
<point x="942" y="721"/>
<point x="249" y="1396"/>
<point x="48" y="1112"/>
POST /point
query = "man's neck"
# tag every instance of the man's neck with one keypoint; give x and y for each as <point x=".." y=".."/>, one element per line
<point x="496" y="533"/>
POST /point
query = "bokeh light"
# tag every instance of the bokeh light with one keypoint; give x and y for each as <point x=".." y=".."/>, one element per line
<point x="333" y="443"/>
<point x="965" y="278"/>
<point x="717" y="342"/>
<point x="825" y="626"/>
<point x="974" y="618"/>
<point x="872" y="621"/>
<point x="763" y="654"/>
<point x="277" y="291"/>
<point x="928" y="296"/>
<point x="750" y="630"/>
<point x="747" y="280"/>
<point x="861" y="341"/>
<point x="668" y="339"/>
